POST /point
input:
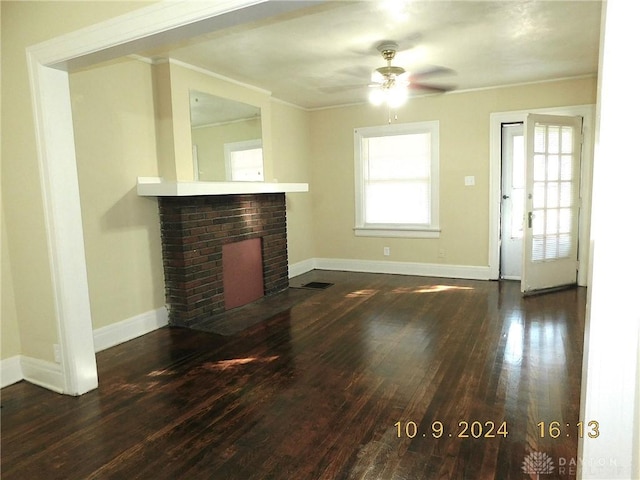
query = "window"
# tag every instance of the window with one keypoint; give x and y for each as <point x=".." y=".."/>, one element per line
<point x="397" y="180"/>
<point x="244" y="161"/>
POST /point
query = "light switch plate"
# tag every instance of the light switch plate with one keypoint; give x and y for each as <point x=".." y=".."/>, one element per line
<point x="469" y="181"/>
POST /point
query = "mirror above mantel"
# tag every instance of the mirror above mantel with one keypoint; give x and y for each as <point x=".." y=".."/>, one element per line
<point x="226" y="138"/>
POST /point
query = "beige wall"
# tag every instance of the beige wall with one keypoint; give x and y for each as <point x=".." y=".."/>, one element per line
<point x="291" y="137"/>
<point x="25" y="249"/>
<point x="464" y="150"/>
<point x="114" y="128"/>
<point x="10" y="342"/>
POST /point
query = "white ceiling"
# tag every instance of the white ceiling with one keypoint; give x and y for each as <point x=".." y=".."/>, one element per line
<point x="323" y="55"/>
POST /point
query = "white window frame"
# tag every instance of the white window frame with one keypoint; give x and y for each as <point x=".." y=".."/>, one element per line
<point x="431" y="230"/>
<point x="229" y="148"/>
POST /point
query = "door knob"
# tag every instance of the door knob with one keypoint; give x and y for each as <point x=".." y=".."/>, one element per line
<point x="504" y="197"/>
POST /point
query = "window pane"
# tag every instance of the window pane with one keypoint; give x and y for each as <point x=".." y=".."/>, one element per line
<point x="246" y="165"/>
<point x="397" y="175"/>
<point x="398" y="156"/>
<point x="397" y="203"/>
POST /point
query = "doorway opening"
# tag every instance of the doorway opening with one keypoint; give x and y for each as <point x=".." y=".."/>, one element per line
<point x="583" y="172"/>
<point x="512" y="200"/>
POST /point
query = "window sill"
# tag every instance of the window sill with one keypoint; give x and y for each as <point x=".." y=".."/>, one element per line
<point x="397" y="231"/>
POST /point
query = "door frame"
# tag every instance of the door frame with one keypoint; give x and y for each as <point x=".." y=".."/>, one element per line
<point x="587" y="112"/>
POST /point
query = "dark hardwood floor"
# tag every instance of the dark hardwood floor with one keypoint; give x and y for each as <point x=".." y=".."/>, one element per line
<point x="316" y="391"/>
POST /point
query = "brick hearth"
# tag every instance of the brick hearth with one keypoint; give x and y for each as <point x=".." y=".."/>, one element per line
<point x="194" y="229"/>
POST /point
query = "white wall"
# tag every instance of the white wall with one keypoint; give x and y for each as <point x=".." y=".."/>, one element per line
<point x="611" y="383"/>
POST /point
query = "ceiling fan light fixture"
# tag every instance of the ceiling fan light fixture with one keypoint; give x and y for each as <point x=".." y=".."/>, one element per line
<point x="397" y="96"/>
<point x="392" y="86"/>
<point x="393" y="93"/>
<point x="376" y="96"/>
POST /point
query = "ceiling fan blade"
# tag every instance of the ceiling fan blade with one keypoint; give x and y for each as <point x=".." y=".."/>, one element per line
<point x="432" y="71"/>
<point x="431" y="88"/>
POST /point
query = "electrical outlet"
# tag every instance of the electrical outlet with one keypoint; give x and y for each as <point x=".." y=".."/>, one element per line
<point x="386" y="251"/>
<point x="57" y="353"/>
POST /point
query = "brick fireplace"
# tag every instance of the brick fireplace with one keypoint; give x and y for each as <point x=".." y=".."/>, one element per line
<point x="195" y="229"/>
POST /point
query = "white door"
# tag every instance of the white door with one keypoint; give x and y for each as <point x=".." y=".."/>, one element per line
<point x="512" y="207"/>
<point x="550" y="257"/>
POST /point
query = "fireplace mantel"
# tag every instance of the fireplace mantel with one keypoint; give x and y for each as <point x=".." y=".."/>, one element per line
<point x="157" y="187"/>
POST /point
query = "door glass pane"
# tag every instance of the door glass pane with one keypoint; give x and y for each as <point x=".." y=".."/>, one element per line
<point x="539" y="168"/>
<point x="551" y="247"/>
<point x="539" y="141"/>
<point x="553" y="167"/>
<point x="565" y="194"/>
<point x="565" y="167"/>
<point x="567" y="140"/>
<point x="537" y="252"/>
<point x="552" y="195"/>
<point x="564" y="220"/>
<point x="538" y="195"/>
<point x="553" y="139"/>
<point x="564" y="245"/>
<point x="537" y="224"/>
<point x="552" y="222"/>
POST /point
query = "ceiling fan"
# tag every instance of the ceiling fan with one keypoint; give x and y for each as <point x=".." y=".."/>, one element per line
<point x="391" y="83"/>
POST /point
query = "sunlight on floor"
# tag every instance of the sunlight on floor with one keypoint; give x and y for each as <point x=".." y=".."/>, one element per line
<point x="361" y="293"/>
<point x="515" y="340"/>
<point x="430" y="289"/>
<point x="236" y="362"/>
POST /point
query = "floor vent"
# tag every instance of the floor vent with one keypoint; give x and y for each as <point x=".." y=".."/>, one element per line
<point x="317" y="285"/>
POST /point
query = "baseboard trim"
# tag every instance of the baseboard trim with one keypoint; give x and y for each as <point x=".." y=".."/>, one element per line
<point x="125" y="330"/>
<point x="10" y="371"/>
<point x="299" y="268"/>
<point x="469" y="272"/>
<point x="40" y="372"/>
<point x="49" y="375"/>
